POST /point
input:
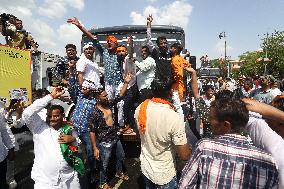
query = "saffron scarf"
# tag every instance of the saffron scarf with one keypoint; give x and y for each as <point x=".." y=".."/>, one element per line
<point x="142" y="118"/>
<point x="70" y="152"/>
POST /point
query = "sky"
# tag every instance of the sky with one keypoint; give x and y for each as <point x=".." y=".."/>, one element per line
<point x="245" y="22"/>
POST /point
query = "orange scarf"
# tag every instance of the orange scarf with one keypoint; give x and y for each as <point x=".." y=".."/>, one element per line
<point x="142" y="119"/>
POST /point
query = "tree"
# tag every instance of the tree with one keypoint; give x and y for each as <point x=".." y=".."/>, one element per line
<point x="251" y="66"/>
<point x="274" y="46"/>
<point x="273" y="49"/>
<point x="219" y="63"/>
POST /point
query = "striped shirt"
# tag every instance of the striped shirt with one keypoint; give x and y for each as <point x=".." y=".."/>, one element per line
<point x="229" y="161"/>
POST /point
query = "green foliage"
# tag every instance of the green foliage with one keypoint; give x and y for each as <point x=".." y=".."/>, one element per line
<point x="274" y="44"/>
<point x="273" y="48"/>
<point x="250" y="65"/>
<point x="216" y="63"/>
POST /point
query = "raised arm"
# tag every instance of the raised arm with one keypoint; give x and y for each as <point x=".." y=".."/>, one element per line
<point x="194" y="84"/>
<point x="30" y="116"/>
<point x="265" y="110"/>
<point x="76" y="22"/>
<point x="127" y="79"/>
<point x="130" y="47"/>
<point x="149" y="34"/>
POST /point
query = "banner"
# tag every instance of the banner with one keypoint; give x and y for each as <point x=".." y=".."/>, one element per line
<point x="15" y="74"/>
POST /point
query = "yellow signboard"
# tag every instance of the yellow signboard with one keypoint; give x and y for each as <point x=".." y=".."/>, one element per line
<point x="15" y="74"/>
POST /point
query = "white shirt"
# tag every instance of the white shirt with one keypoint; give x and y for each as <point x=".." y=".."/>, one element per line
<point x="89" y="68"/>
<point x="164" y="129"/>
<point x="274" y="92"/>
<point x="146" y="73"/>
<point x="49" y="164"/>
<point x="264" y="137"/>
<point x="6" y="137"/>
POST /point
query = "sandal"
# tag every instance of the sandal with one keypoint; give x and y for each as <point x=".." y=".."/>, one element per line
<point x="104" y="186"/>
<point x="122" y="176"/>
<point x="128" y="131"/>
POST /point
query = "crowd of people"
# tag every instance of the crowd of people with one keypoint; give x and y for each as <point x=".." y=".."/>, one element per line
<point x="241" y="145"/>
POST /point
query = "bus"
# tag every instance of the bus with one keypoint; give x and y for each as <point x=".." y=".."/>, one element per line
<point x="138" y="32"/>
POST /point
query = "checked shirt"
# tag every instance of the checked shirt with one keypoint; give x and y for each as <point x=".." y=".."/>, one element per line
<point x="229" y="161"/>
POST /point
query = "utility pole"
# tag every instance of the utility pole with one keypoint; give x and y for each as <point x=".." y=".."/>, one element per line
<point x="223" y="35"/>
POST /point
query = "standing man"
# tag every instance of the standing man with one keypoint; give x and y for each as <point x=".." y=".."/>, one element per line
<point x="263" y="94"/>
<point x="178" y="87"/>
<point x="229" y="160"/>
<point x="162" y="133"/>
<point x="61" y="68"/>
<point x="84" y="106"/>
<point x="160" y="54"/>
<point x="55" y="164"/>
<point x="87" y="68"/>
<point x="104" y="134"/>
<point x="145" y="74"/>
<point x="113" y="75"/>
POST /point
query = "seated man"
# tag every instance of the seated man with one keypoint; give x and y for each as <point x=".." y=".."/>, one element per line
<point x="230" y="160"/>
<point x="19" y="37"/>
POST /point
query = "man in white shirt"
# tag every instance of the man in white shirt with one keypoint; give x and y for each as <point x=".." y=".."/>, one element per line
<point x="6" y="144"/>
<point x="145" y="74"/>
<point x="50" y="169"/>
<point x="162" y="133"/>
<point x="87" y="68"/>
<point x="262" y="134"/>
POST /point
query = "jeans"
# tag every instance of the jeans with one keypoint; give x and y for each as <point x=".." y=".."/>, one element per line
<point x="85" y="137"/>
<point x="129" y="100"/>
<point x="105" y="153"/>
<point x="150" y="185"/>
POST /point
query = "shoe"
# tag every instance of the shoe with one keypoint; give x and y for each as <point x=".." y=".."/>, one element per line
<point x="13" y="184"/>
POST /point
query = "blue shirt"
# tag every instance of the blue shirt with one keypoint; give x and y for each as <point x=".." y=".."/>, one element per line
<point x="112" y="75"/>
<point x="84" y="107"/>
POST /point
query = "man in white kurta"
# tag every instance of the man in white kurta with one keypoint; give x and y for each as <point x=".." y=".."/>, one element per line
<point x="50" y="170"/>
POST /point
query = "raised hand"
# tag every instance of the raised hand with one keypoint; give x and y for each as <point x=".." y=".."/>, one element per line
<point x="189" y="69"/>
<point x="74" y="21"/>
<point x="20" y="107"/>
<point x="57" y="92"/>
<point x="130" y="40"/>
<point x="150" y="18"/>
<point x="128" y="78"/>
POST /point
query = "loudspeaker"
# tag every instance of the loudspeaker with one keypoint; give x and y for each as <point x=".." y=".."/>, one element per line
<point x="192" y="61"/>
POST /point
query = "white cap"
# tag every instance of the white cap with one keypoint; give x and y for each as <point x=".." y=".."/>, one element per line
<point x="87" y="45"/>
<point x="89" y="85"/>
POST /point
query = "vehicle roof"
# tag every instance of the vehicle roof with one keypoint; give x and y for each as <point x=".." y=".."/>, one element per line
<point x="136" y="28"/>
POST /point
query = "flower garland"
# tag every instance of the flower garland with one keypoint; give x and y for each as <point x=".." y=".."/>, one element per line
<point x="142" y="118"/>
